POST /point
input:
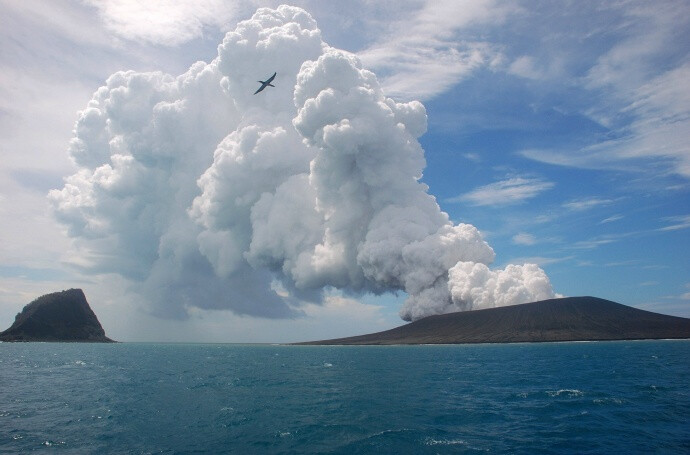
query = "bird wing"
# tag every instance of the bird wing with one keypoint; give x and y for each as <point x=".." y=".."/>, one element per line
<point x="263" y="86"/>
<point x="270" y="79"/>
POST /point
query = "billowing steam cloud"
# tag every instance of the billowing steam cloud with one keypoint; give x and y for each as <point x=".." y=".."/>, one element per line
<point x="203" y="194"/>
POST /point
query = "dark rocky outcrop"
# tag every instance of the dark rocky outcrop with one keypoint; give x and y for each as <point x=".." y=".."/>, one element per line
<point x="567" y="319"/>
<point x="60" y="316"/>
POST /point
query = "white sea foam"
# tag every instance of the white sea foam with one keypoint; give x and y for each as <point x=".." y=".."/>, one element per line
<point x="570" y="393"/>
<point x="607" y="400"/>
<point x="53" y="443"/>
<point x="453" y="442"/>
<point x="381" y="433"/>
<point x="444" y="442"/>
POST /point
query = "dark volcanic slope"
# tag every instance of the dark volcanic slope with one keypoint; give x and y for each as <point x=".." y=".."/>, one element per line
<point x="567" y="319"/>
<point x="60" y="316"/>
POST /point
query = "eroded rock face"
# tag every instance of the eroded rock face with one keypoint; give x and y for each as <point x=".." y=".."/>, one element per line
<point x="60" y="316"/>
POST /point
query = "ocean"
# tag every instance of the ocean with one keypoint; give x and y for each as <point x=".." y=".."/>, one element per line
<point x="145" y="398"/>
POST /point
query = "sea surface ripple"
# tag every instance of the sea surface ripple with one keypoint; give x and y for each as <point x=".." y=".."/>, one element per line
<point x="139" y="398"/>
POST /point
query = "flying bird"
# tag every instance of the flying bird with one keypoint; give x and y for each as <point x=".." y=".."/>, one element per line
<point x="266" y="83"/>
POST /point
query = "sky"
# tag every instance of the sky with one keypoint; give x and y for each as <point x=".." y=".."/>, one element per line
<point x="414" y="158"/>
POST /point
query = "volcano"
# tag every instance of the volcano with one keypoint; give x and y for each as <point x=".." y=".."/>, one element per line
<point x="564" y="319"/>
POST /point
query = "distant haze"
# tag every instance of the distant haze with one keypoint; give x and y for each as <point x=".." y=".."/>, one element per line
<point x="202" y="194"/>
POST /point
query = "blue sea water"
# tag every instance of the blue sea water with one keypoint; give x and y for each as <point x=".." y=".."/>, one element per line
<point x="605" y="397"/>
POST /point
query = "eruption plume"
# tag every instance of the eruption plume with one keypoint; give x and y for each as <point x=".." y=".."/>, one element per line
<point x="203" y="194"/>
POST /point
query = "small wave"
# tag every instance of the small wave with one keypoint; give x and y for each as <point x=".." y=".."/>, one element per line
<point x="384" y="432"/>
<point x="53" y="443"/>
<point x="327" y="365"/>
<point x="79" y="362"/>
<point x="571" y="393"/>
<point x="444" y="442"/>
<point x="454" y="442"/>
<point x="612" y="400"/>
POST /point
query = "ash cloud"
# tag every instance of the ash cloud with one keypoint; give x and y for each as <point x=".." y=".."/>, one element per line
<point x="203" y="194"/>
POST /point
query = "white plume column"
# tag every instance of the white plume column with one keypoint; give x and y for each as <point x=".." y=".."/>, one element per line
<point x="206" y="195"/>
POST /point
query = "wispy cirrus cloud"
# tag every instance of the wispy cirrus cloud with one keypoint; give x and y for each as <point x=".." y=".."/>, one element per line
<point x="418" y="49"/>
<point x="593" y="243"/>
<point x="505" y="192"/>
<point x="629" y="263"/>
<point x="605" y="239"/>
<point x="612" y="218"/>
<point x="644" y="105"/>
<point x="540" y="260"/>
<point x="168" y="22"/>
<point x="678" y="222"/>
<point x="426" y="52"/>
<point x="590" y="157"/>
<point x="586" y="204"/>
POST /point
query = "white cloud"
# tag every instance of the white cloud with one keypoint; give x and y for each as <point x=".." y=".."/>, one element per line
<point x="337" y="306"/>
<point x="591" y="157"/>
<point x="523" y="238"/>
<point x="586" y="204"/>
<point x="590" y="244"/>
<point x="622" y="263"/>
<point x="68" y="20"/>
<point x="167" y="22"/>
<point x="642" y="102"/>
<point x="55" y="52"/>
<point x="525" y="66"/>
<point x="487" y="289"/>
<point x="679" y="222"/>
<point x="510" y="191"/>
<point x="661" y="125"/>
<point x="425" y="53"/>
<point x="205" y="195"/>
<point x="612" y="218"/>
<point x="603" y="240"/>
<point x="539" y="260"/>
<point x="474" y="157"/>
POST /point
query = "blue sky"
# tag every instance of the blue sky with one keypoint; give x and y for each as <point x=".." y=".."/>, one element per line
<point x="560" y="131"/>
<point x="616" y="230"/>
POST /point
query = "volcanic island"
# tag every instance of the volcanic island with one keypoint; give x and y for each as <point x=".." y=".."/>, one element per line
<point x="59" y="316"/>
<point x="563" y="319"/>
